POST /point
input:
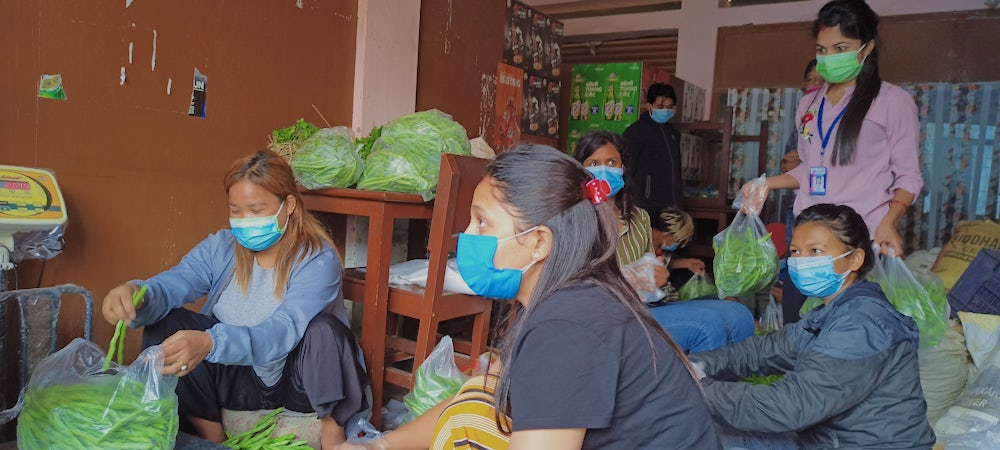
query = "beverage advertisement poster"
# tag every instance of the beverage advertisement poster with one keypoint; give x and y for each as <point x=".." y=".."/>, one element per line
<point x="555" y="48"/>
<point x="533" y="114"/>
<point x="604" y="96"/>
<point x="509" y="100"/>
<point x="553" y="86"/>
<point x="517" y="33"/>
<point x="539" y="41"/>
<point x="532" y="40"/>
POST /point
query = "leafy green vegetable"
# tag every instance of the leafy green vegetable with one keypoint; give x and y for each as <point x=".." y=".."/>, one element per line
<point x="407" y="156"/>
<point x="810" y="304"/>
<point x="429" y="389"/>
<point x="698" y="286"/>
<point x="364" y="145"/>
<point x="260" y="436"/>
<point x="327" y="159"/>
<point x="763" y="379"/>
<point x="924" y="300"/>
<point x="116" y="413"/>
<point x="746" y="261"/>
<point x="295" y="133"/>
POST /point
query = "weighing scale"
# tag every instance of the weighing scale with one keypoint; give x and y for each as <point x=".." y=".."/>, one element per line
<point x="30" y="200"/>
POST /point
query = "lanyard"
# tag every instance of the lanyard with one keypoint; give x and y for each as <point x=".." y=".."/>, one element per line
<point x="826" y="139"/>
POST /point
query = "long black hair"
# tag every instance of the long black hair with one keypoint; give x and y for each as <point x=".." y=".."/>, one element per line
<point x="857" y="21"/>
<point x="539" y="185"/>
<point x="847" y="225"/>
<point x="595" y="139"/>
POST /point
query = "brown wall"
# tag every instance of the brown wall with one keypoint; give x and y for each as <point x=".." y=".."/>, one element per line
<point x="953" y="47"/>
<point x="461" y="43"/>
<point x="142" y="179"/>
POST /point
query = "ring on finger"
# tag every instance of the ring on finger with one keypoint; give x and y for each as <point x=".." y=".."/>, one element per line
<point x="184" y="367"/>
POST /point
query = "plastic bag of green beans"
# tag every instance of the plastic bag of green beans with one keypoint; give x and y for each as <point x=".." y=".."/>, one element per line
<point x="436" y="379"/>
<point x="71" y="403"/>
<point x="699" y="285"/>
<point x="921" y="298"/>
<point x="746" y="261"/>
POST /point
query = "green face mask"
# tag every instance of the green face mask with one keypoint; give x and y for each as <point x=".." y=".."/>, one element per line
<point x="839" y="67"/>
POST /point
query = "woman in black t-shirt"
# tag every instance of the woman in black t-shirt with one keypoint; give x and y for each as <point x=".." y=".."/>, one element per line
<point x="584" y="365"/>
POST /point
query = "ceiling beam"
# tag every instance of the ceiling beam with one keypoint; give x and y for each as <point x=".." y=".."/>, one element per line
<point x="594" y="8"/>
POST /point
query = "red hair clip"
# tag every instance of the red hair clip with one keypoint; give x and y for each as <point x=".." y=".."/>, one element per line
<point x="596" y="190"/>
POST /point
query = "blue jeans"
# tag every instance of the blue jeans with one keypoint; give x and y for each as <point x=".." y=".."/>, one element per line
<point x="701" y="325"/>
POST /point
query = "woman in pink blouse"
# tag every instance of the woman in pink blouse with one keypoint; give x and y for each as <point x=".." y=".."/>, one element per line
<point x="858" y="135"/>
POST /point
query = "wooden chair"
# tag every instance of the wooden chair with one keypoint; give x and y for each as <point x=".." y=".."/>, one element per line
<point x="458" y="178"/>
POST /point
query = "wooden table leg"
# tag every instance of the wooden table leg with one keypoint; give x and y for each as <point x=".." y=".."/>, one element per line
<point x="376" y="305"/>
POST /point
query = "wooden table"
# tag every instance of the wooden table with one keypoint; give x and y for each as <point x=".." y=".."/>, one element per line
<point x="381" y="208"/>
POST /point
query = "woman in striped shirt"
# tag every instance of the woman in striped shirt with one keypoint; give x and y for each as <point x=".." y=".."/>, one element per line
<point x="695" y="326"/>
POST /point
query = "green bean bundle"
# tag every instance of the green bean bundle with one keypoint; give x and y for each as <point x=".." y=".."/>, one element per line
<point x="746" y="261"/>
<point x="259" y="436"/>
<point x="89" y="416"/>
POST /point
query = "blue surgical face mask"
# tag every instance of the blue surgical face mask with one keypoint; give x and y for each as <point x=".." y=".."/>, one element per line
<point x="670" y="248"/>
<point x="661" y="115"/>
<point x="258" y="233"/>
<point x="615" y="176"/>
<point x="815" y="276"/>
<point x="474" y="258"/>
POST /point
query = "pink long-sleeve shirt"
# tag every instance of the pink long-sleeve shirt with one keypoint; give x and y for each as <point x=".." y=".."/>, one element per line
<point x="886" y="158"/>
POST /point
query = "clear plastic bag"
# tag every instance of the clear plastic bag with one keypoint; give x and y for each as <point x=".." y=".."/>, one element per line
<point x="414" y="271"/>
<point x="328" y="159"/>
<point x="746" y="261"/>
<point x="751" y="198"/>
<point x="407" y="156"/>
<point x="437" y="379"/>
<point x="641" y="274"/>
<point x="39" y="244"/>
<point x="699" y="285"/>
<point x="359" y="430"/>
<point x="912" y="297"/>
<point x="71" y="403"/>
<point x="772" y="319"/>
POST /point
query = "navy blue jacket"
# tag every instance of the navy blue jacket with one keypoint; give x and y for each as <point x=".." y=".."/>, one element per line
<point x="655" y="158"/>
<point x="851" y="377"/>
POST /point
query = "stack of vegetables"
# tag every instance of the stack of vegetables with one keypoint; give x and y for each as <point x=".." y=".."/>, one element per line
<point x="285" y="141"/>
<point x="407" y="155"/>
<point x="402" y="156"/>
<point x="328" y="159"/>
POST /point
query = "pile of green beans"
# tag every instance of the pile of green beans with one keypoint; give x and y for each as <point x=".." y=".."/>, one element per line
<point x="117" y="414"/>
<point x="259" y="437"/>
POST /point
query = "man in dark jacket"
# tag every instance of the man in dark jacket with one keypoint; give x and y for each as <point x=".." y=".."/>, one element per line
<point x="656" y="150"/>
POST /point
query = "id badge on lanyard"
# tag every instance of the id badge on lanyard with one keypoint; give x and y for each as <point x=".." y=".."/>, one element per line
<point x="817" y="174"/>
<point x="817" y="180"/>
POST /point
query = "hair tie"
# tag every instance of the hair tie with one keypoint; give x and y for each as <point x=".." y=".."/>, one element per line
<point x="596" y="190"/>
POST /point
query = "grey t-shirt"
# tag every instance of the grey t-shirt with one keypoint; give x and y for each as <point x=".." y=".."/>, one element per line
<point x="235" y="308"/>
<point x="583" y="361"/>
